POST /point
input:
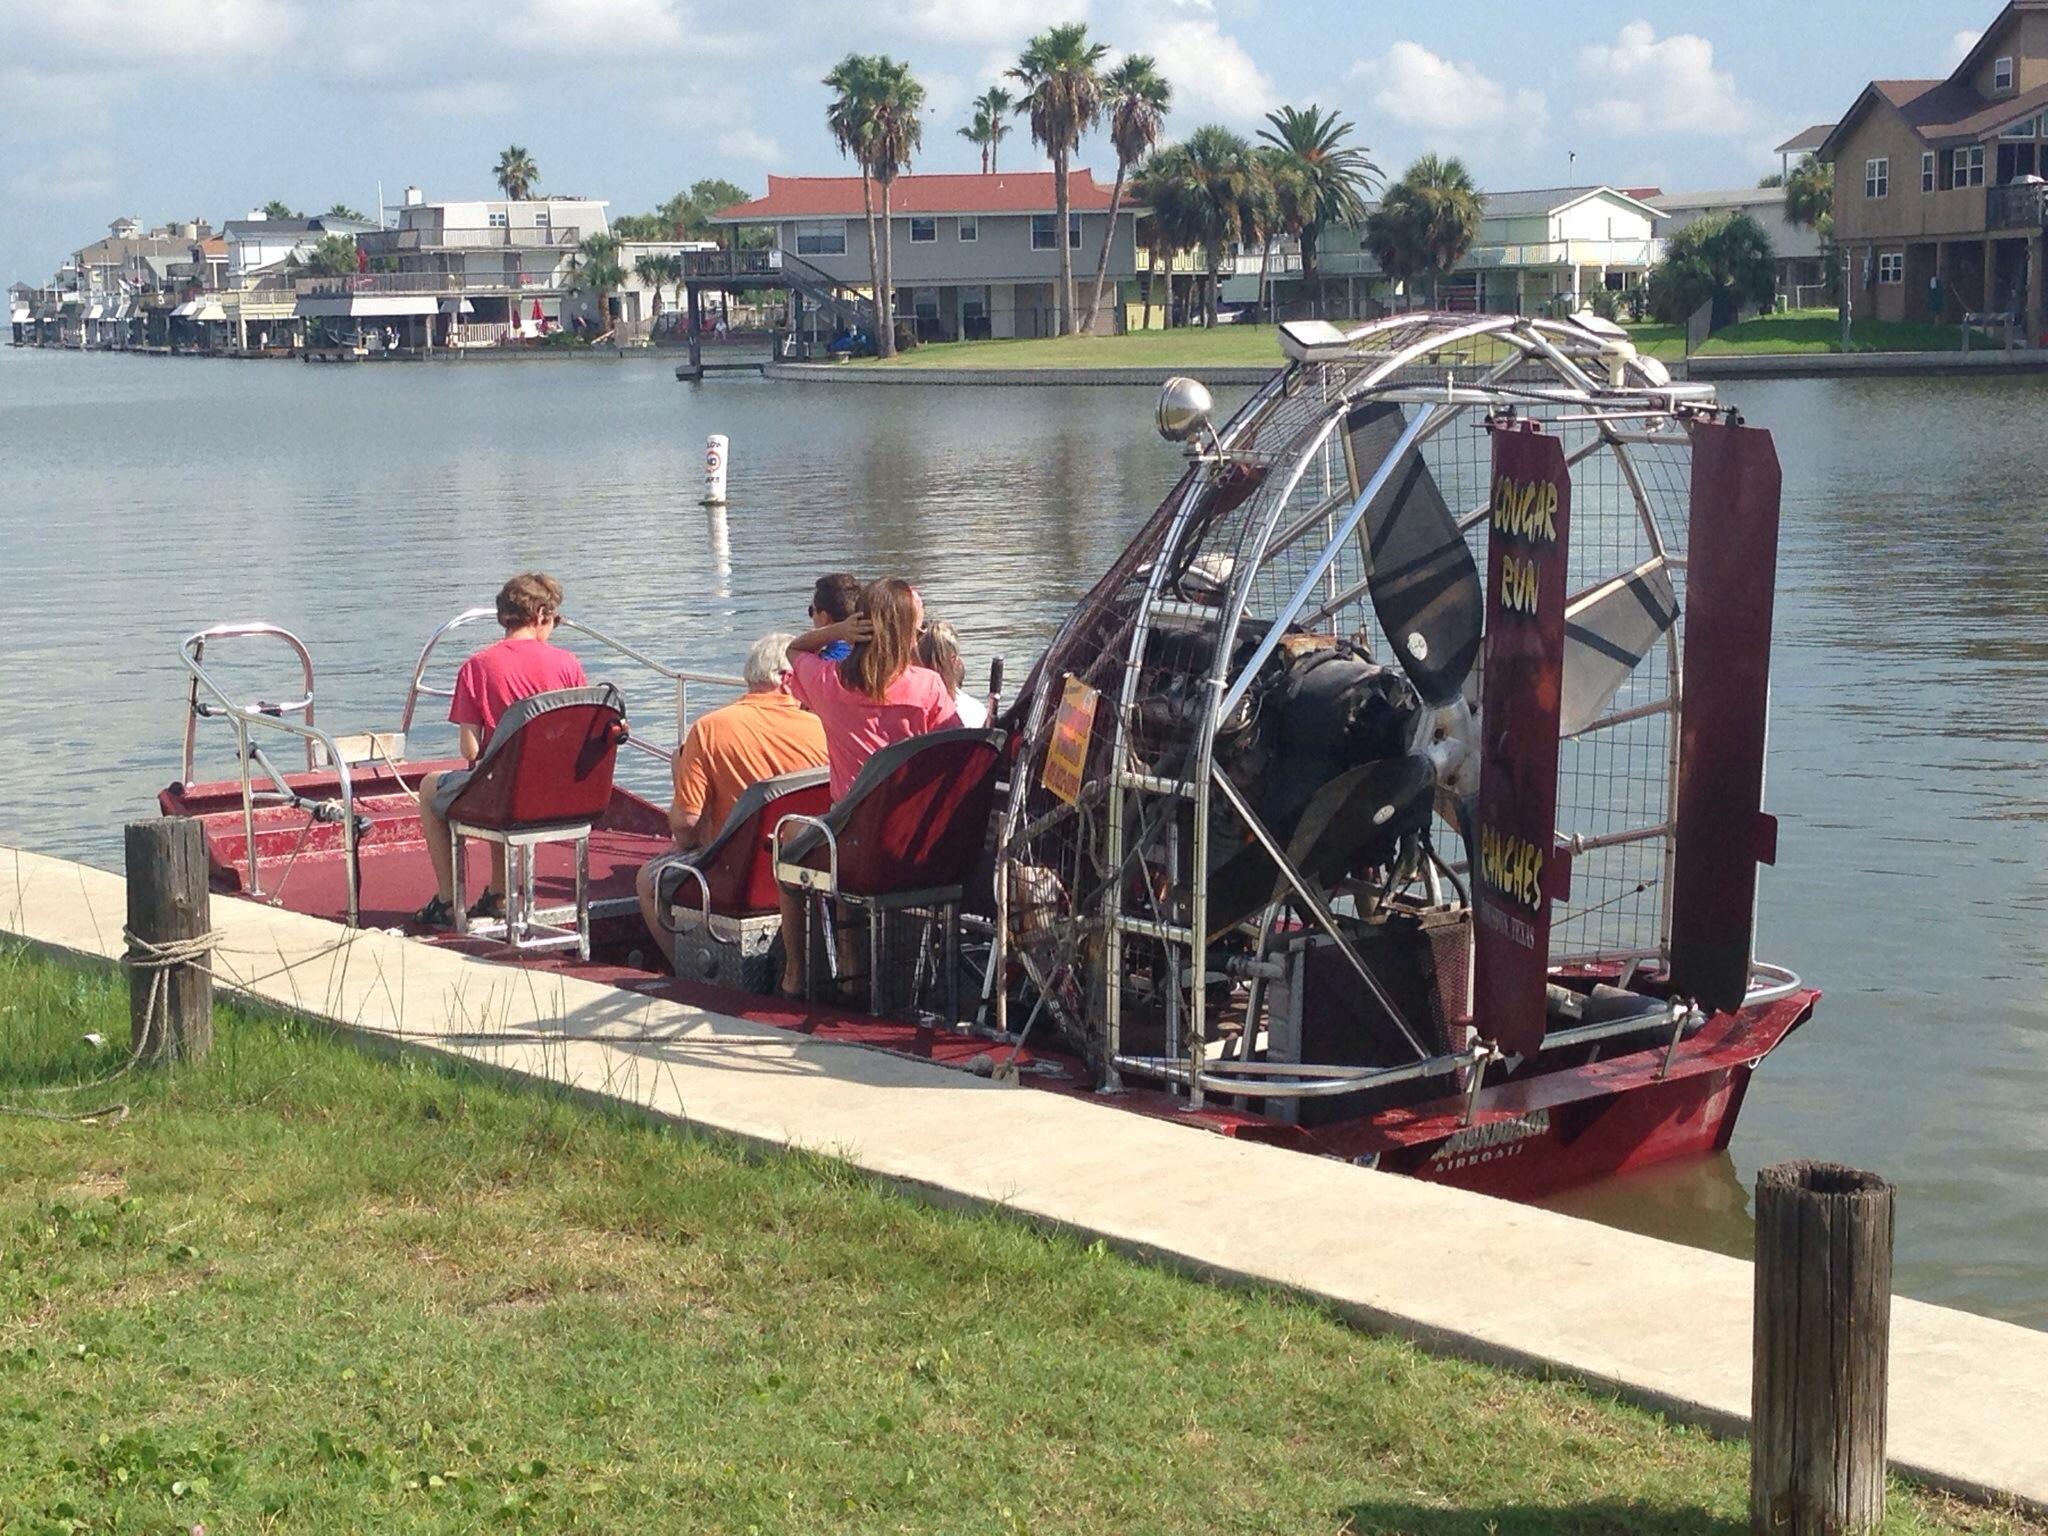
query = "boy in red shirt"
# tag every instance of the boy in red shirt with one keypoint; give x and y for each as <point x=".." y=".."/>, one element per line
<point x="491" y="682"/>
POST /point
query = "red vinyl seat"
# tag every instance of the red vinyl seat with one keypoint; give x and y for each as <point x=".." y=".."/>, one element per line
<point x="733" y="875"/>
<point x="905" y="836"/>
<point x="545" y="776"/>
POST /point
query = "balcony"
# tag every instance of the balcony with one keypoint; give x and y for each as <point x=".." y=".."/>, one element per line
<point x="428" y="282"/>
<point x="392" y="242"/>
<point x="2017" y="205"/>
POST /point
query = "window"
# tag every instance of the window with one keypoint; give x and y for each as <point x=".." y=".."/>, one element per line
<point x="1042" y="237"/>
<point x="970" y="231"/>
<point x="1891" y="266"/>
<point x="1966" y="167"/>
<point x="499" y="218"/>
<point x="2001" y="74"/>
<point x="1927" y="171"/>
<point x="2023" y="129"/>
<point x="821" y="237"/>
<point x="1877" y="177"/>
<point x="924" y="229"/>
<point x="541" y="219"/>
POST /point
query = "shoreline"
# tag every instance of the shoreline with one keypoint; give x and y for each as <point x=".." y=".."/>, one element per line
<point x="1457" y="1273"/>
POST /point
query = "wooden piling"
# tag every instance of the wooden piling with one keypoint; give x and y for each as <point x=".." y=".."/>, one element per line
<point x="168" y="905"/>
<point x="1822" y="1335"/>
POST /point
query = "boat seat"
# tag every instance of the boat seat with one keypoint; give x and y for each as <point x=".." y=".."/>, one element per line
<point x="545" y="776"/>
<point x="904" y="838"/>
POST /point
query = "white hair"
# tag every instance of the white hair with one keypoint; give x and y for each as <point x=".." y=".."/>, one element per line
<point x="767" y="661"/>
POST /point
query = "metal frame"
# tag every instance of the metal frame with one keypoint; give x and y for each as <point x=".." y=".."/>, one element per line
<point x="527" y="926"/>
<point x="1591" y="381"/>
<point x="260" y="714"/>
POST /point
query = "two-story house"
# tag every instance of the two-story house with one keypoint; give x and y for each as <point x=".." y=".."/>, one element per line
<point x="470" y="272"/>
<point x="1939" y="183"/>
<point x="1535" y="249"/>
<point x="973" y="256"/>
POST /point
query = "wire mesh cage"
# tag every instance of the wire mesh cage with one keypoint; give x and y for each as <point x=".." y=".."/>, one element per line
<point x="1168" y="829"/>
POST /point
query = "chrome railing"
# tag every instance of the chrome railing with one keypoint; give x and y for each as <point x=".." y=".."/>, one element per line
<point x="680" y="677"/>
<point x="264" y="715"/>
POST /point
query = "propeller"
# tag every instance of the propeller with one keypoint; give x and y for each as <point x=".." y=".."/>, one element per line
<point x="1607" y="633"/>
<point x="1425" y="586"/>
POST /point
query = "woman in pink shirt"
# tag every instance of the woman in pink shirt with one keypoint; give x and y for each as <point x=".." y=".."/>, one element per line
<point x="877" y="695"/>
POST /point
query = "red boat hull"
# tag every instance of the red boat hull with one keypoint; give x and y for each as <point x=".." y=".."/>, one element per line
<point x="1527" y="1137"/>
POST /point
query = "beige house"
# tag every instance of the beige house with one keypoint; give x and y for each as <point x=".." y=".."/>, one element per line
<point x="1939" y="184"/>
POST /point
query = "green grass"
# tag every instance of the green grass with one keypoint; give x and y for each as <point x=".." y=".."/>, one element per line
<point x="1251" y="346"/>
<point x="306" y="1288"/>
<point x="1805" y="330"/>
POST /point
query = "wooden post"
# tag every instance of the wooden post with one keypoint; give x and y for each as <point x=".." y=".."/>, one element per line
<point x="696" y="341"/>
<point x="167" y="903"/>
<point x="1822" y="1332"/>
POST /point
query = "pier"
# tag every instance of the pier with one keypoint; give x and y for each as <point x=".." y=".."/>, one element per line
<point x="1660" y="1324"/>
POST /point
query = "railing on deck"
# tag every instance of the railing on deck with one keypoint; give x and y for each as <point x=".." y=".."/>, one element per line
<point x="2017" y="205"/>
<point x="390" y="242"/>
<point x="427" y="282"/>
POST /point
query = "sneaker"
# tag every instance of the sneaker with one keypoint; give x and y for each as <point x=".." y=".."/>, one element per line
<point x="435" y="914"/>
<point x="489" y="908"/>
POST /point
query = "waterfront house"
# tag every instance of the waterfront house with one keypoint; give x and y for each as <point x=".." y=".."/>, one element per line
<point x="974" y="256"/>
<point x="20" y="313"/>
<point x="1540" y="248"/>
<point x="637" y="303"/>
<point x="466" y="273"/>
<point x="1939" y="183"/>
<point x="258" y="244"/>
<point x="1800" y="267"/>
<point x="1807" y="141"/>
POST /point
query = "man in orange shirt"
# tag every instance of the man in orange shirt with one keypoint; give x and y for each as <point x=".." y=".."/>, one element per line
<point x="763" y="733"/>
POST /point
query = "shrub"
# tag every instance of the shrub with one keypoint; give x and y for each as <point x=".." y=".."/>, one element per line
<point x="1726" y="260"/>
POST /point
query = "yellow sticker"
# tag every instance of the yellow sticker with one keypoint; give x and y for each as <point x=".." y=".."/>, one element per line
<point x="1066" y="755"/>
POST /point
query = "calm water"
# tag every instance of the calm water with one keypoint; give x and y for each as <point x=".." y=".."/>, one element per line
<point x="142" y="498"/>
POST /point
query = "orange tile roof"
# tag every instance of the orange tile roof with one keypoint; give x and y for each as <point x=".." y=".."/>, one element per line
<point x="811" y="197"/>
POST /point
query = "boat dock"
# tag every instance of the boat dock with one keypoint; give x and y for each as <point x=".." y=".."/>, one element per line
<point x="1655" y="1322"/>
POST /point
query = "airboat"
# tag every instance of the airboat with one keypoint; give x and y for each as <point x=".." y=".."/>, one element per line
<point x="1396" y="795"/>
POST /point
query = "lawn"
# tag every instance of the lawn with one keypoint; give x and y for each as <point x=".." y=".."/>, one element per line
<point x="1227" y="346"/>
<point x="307" y="1288"/>
<point x="1805" y="330"/>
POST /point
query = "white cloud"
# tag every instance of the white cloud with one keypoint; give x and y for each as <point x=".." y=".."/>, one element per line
<point x="752" y="146"/>
<point x="76" y="176"/>
<point x="978" y="23"/>
<point x="1960" y="45"/>
<point x="111" y="34"/>
<point x="1644" y="84"/>
<point x="460" y="99"/>
<point x="1210" y="70"/>
<point x="1442" y="96"/>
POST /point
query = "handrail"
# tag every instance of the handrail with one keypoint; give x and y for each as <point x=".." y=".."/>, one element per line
<point x="271" y="717"/>
<point x="681" y="677"/>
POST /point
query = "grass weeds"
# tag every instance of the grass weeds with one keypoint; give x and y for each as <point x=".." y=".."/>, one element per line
<point x="304" y="1287"/>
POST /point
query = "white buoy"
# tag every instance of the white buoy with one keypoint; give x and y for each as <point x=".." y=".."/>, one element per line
<point x="715" y="447"/>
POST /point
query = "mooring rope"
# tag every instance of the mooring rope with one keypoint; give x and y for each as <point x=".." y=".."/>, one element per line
<point x="160" y="960"/>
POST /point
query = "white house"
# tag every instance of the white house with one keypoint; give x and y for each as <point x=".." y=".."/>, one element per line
<point x="257" y="244"/>
<point x="1535" y="248"/>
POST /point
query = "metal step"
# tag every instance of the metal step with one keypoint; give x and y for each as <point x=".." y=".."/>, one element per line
<point x="1145" y="928"/>
<point x="1153" y="784"/>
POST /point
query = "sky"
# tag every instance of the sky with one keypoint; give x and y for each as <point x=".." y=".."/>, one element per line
<point x="176" y="109"/>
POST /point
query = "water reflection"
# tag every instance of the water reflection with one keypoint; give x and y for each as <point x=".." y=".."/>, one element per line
<point x="363" y="506"/>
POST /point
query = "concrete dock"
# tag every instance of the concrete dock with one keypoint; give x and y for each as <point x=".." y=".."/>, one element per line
<point x="1658" y="1323"/>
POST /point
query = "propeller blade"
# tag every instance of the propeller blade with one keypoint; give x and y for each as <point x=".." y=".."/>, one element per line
<point x="1607" y="633"/>
<point x="1425" y="585"/>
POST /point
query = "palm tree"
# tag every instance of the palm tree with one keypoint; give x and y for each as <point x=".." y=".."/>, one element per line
<point x="1338" y="178"/>
<point x="1427" y="221"/>
<point x="851" y="118"/>
<point x="1285" y="207"/>
<point x="276" y="209"/>
<point x="1810" y="192"/>
<point x="343" y="211"/>
<point x="1216" y="193"/>
<point x="516" y="173"/>
<point x="986" y="129"/>
<point x="598" y="273"/>
<point x="1063" y="100"/>
<point x="334" y="256"/>
<point x="1165" y="184"/>
<point x="654" y="269"/>
<point x="1136" y="97"/>
<point x="898" y="134"/>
